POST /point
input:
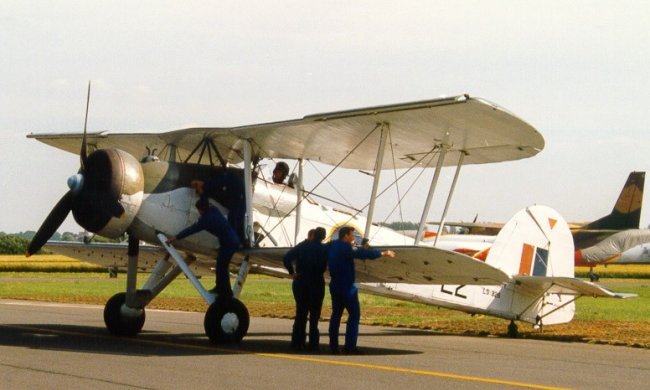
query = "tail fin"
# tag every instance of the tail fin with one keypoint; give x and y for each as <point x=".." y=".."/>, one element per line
<point x="535" y="242"/>
<point x="627" y="210"/>
<point x="536" y="248"/>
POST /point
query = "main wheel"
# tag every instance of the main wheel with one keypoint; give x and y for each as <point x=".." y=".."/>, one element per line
<point x="226" y="321"/>
<point x="122" y="323"/>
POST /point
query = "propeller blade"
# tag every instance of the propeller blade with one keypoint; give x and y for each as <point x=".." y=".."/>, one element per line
<point x="51" y="223"/>
<point x="83" y="154"/>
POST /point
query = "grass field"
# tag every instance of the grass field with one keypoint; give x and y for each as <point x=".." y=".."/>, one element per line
<point x="610" y="321"/>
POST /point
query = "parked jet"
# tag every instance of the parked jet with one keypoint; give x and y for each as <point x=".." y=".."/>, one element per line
<point x="626" y="247"/>
<point x="139" y="184"/>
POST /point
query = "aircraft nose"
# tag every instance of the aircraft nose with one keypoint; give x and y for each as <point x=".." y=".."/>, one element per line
<point x="76" y="182"/>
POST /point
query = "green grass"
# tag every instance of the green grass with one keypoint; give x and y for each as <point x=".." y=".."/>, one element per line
<point x="633" y="309"/>
<point x="266" y="290"/>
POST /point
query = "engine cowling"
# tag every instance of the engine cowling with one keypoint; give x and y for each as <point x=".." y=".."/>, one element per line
<point x="111" y="192"/>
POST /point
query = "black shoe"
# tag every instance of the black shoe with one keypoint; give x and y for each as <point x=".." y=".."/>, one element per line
<point x="314" y="348"/>
<point x="353" y="351"/>
<point x="334" y="350"/>
<point x="298" y="347"/>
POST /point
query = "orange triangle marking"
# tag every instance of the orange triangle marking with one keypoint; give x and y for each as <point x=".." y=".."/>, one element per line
<point x="552" y="222"/>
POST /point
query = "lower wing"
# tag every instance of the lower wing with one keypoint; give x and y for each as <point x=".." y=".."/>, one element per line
<point x="412" y="264"/>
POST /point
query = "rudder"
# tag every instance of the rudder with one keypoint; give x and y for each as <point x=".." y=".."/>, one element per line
<point x="535" y="242"/>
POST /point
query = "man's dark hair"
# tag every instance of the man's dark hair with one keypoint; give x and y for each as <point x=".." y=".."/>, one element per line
<point x="202" y="204"/>
<point x="282" y="167"/>
<point x="345" y="230"/>
<point x="319" y="234"/>
<point x="310" y="234"/>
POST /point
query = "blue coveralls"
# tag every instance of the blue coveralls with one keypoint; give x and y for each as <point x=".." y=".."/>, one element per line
<point x="344" y="291"/>
<point x="214" y="223"/>
<point x="308" y="288"/>
<point x="228" y="189"/>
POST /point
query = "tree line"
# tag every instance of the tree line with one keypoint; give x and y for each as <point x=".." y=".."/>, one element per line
<point x="17" y="243"/>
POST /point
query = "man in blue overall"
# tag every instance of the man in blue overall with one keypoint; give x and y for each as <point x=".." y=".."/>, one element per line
<point x="211" y="220"/>
<point x="343" y="290"/>
<point x="227" y="188"/>
<point x="308" y="287"/>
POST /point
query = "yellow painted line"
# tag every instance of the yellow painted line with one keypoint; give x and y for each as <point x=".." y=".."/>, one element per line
<point x="295" y="358"/>
<point x="408" y="371"/>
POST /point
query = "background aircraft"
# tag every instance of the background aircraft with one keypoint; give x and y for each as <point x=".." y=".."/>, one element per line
<point x="601" y="241"/>
<point x="139" y="184"/>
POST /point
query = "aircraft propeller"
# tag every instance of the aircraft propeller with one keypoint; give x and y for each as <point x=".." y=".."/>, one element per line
<point x="93" y="196"/>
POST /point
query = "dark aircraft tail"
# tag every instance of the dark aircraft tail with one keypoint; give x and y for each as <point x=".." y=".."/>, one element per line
<point x="627" y="210"/>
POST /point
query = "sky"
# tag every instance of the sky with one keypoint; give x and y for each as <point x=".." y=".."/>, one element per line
<point x="578" y="71"/>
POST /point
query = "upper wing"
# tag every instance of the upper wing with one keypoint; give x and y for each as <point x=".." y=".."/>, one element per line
<point x="481" y="130"/>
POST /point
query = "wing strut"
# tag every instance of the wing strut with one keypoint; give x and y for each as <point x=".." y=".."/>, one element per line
<point x="441" y="159"/>
<point x="451" y="193"/>
<point x="299" y="195"/>
<point x="375" y="184"/>
<point x="248" y="188"/>
<point x="205" y="144"/>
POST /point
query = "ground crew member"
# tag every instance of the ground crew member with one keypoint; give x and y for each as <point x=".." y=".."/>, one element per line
<point x="227" y="188"/>
<point x="308" y="287"/>
<point x="213" y="222"/>
<point x="343" y="290"/>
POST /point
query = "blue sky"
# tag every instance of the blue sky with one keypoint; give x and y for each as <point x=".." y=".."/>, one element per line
<point x="578" y="71"/>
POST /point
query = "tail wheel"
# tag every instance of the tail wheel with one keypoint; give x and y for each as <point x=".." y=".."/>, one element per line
<point x="226" y="321"/>
<point x="122" y="323"/>
<point x="513" y="330"/>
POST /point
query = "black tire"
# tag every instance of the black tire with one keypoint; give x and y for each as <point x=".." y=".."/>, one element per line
<point x="118" y="324"/>
<point x="230" y="329"/>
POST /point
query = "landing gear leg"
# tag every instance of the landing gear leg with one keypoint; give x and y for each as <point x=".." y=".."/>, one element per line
<point x="592" y="276"/>
<point x="124" y="313"/>
<point x="513" y="330"/>
<point x="227" y="319"/>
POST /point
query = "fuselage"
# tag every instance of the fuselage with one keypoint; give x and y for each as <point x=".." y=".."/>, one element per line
<point x="168" y="206"/>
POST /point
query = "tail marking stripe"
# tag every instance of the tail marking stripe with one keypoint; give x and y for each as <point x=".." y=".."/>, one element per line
<point x="527" y="253"/>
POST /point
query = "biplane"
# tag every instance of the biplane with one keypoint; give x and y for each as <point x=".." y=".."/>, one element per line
<point x="140" y="184"/>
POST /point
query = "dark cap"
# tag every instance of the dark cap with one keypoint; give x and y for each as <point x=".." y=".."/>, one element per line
<point x="282" y="166"/>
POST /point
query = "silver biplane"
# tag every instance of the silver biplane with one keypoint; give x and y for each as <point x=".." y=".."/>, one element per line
<point x="139" y="184"/>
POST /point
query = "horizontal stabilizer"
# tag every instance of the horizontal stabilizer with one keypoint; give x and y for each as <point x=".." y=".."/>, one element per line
<point x="569" y="286"/>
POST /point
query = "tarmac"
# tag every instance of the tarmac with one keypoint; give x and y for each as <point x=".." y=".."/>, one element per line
<point x="48" y="345"/>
